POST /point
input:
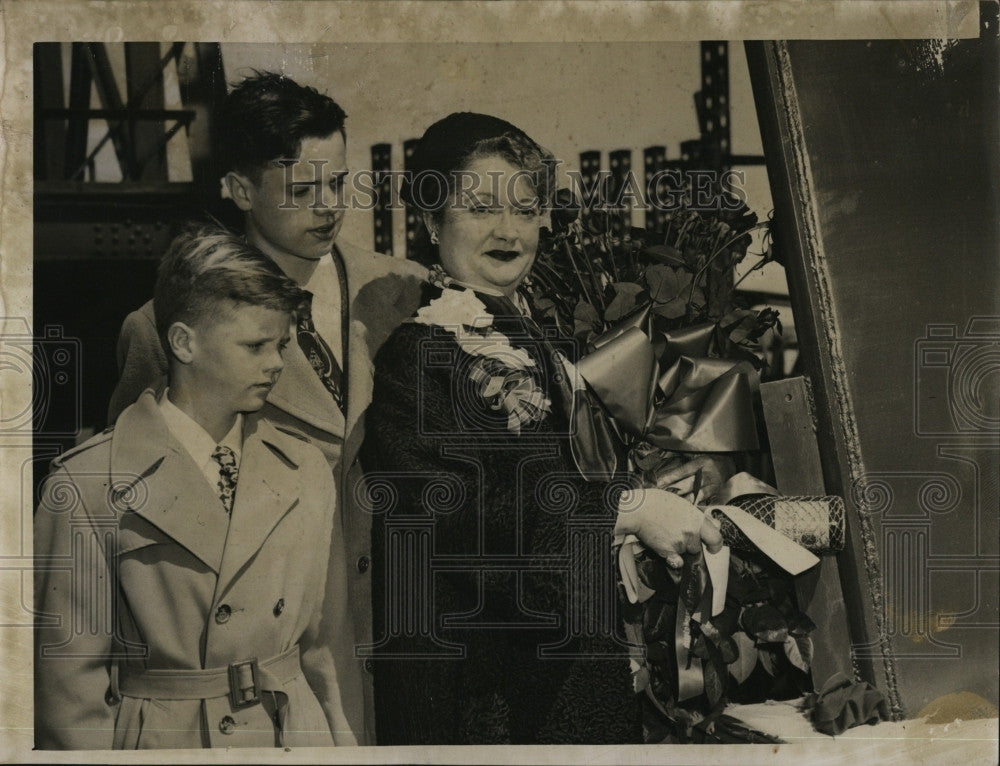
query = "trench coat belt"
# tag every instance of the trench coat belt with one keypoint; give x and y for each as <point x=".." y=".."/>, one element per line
<point x="186" y="684"/>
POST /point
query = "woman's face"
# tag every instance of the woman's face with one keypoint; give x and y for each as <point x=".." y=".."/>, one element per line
<point x="488" y="233"/>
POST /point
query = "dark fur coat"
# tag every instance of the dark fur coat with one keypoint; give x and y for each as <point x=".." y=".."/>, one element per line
<point x="493" y="592"/>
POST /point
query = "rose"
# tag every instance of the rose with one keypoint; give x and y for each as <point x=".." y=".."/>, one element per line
<point x="565" y="210"/>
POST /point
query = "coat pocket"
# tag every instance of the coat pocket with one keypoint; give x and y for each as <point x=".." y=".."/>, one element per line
<point x="145" y="724"/>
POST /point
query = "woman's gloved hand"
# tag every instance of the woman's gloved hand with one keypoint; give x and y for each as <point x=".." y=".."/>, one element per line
<point x="667" y="524"/>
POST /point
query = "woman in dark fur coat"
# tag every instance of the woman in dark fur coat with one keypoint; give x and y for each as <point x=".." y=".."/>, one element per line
<point x="493" y="481"/>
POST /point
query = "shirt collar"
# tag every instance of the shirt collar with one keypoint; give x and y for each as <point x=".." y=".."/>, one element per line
<point x="195" y="439"/>
<point x="319" y="282"/>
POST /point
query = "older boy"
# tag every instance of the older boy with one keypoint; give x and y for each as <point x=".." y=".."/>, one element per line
<point x="180" y="622"/>
<point x="292" y="213"/>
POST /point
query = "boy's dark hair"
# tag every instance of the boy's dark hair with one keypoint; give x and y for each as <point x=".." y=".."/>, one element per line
<point x="266" y="116"/>
<point x="207" y="267"/>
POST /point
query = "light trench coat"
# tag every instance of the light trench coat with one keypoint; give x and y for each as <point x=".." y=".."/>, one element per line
<point x="382" y="292"/>
<point x="139" y="567"/>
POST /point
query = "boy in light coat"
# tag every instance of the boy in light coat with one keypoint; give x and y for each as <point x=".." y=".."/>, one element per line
<point x="190" y="585"/>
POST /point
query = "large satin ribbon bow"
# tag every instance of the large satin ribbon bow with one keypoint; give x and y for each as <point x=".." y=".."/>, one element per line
<point x="666" y="390"/>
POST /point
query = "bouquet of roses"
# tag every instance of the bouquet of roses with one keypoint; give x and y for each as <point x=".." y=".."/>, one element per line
<point x="592" y="272"/>
<point x="671" y="356"/>
<point x="594" y="277"/>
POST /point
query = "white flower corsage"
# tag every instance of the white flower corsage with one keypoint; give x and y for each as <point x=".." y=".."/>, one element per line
<point x="500" y="374"/>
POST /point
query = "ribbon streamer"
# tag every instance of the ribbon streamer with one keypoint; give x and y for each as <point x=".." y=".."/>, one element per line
<point x="591" y="442"/>
<point x="789" y="555"/>
<point x="690" y="677"/>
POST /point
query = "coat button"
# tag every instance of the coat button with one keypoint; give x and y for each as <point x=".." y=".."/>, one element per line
<point x="279" y="607"/>
<point x="227" y="725"/>
<point x="363" y="563"/>
<point x="223" y="613"/>
<point x="369" y="665"/>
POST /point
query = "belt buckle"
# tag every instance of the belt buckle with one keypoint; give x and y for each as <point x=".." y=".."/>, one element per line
<point x="244" y="683"/>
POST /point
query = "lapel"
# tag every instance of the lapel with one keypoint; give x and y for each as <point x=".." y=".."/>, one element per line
<point x="360" y="380"/>
<point x="266" y="490"/>
<point x="380" y="290"/>
<point x="383" y="291"/>
<point x="163" y="485"/>
<point x="300" y="393"/>
<point x="359" y="365"/>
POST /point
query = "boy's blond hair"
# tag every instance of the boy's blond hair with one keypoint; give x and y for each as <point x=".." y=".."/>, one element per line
<point x="207" y="267"/>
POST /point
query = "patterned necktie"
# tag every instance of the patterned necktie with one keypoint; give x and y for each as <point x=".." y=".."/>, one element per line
<point x="229" y="472"/>
<point x="318" y="352"/>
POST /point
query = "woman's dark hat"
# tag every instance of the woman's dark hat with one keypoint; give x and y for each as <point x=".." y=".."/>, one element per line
<point x="444" y="148"/>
